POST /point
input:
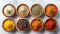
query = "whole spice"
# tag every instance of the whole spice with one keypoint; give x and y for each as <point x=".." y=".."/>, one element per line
<point x="8" y="25"/>
<point x="36" y="25"/>
<point x="22" y="25"/>
<point x="50" y="24"/>
<point x="36" y="10"/>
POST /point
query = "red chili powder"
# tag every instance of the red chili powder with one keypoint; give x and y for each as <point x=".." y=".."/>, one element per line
<point x="50" y="24"/>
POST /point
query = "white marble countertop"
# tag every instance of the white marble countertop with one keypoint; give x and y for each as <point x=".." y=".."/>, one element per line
<point x="30" y="3"/>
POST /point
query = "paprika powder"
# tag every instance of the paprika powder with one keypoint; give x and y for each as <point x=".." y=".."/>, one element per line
<point x="50" y="24"/>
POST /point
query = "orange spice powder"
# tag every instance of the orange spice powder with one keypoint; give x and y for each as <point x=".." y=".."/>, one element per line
<point x="51" y="10"/>
<point x="36" y="24"/>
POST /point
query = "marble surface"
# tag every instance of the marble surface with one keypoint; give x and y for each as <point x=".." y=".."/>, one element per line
<point x="30" y="3"/>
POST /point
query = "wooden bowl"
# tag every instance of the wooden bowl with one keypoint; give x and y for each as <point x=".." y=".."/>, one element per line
<point x="54" y="9"/>
<point x="4" y="22"/>
<point x="36" y="24"/>
<point x="5" y="7"/>
<point x="19" y="28"/>
<point x="52" y="26"/>
<point x="41" y="12"/>
<point x="18" y="9"/>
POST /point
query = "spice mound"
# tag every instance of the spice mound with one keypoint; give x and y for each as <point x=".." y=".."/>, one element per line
<point x="51" y="10"/>
<point x="8" y="10"/>
<point x="22" y="25"/>
<point x="22" y="10"/>
<point x="36" y="10"/>
<point x="36" y="25"/>
<point x="50" y="24"/>
<point x="8" y="25"/>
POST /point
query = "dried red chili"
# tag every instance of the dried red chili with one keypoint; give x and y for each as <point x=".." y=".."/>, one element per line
<point x="50" y="24"/>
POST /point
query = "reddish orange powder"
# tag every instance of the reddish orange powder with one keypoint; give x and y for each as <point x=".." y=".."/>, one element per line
<point x="50" y="24"/>
<point x="36" y="24"/>
<point x="51" y="10"/>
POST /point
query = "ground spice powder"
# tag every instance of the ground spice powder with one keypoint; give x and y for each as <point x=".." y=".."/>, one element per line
<point x="8" y="25"/>
<point x="51" y="10"/>
<point x="36" y="24"/>
<point x="36" y="10"/>
<point x="50" y="24"/>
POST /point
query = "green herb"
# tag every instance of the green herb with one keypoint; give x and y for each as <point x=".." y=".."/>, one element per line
<point x="8" y="11"/>
<point x="36" y="10"/>
<point x="51" y="11"/>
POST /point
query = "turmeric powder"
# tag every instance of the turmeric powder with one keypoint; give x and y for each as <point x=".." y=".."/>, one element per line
<point x="8" y="25"/>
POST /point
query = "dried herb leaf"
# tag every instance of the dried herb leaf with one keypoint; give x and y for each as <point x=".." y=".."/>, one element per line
<point x="51" y="11"/>
<point x="8" y="11"/>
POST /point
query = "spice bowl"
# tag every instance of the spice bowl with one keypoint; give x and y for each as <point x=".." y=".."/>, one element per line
<point x="8" y="10"/>
<point x="51" y="10"/>
<point x="22" y="25"/>
<point x="36" y="10"/>
<point x="23" y="10"/>
<point x="8" y="25"/>
<point x="51" y="24"/>
<point x="36" y="24"/>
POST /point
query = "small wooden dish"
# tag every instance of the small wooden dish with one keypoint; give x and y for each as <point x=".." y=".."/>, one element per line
<point x="41" y="26"/>
<point x="4" y="8"/>
<point x="21" y="25"/>
<point x="55" y="9"/>
<point x="41" y="12"/>
<point x="3" y="24"/>
<point x="52" y="26"/>
<point x="19" y="7"/>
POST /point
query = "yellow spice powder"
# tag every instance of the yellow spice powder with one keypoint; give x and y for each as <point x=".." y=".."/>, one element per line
<point x="9" y="25"/>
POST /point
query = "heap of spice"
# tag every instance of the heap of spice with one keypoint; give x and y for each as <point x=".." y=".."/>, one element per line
<point x="50" y="24"/>
<point x="36" y="24"/>
<point x="51" y="10"/>
<point x="22" y="25"/>
<point x="22" y="10"/>
<point x="8" y="25"/>
<point x="8" y="10"/>
<point x="36" y="10"/>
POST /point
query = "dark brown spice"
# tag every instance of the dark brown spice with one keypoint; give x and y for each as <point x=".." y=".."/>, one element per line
<point x="22" y="24"/>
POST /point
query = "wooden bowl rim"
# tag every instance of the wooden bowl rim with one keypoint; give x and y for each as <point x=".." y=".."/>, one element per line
<point x="54" y="28"/>
<point x="40" y="28"/>
<point x="7" y="5"/>
<point x="48" y="5"/>
<point x="3" y="23"/>
<point x="22" y="5"/>
<point x="36" y="5"/>
<point x="18" y="28"/>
